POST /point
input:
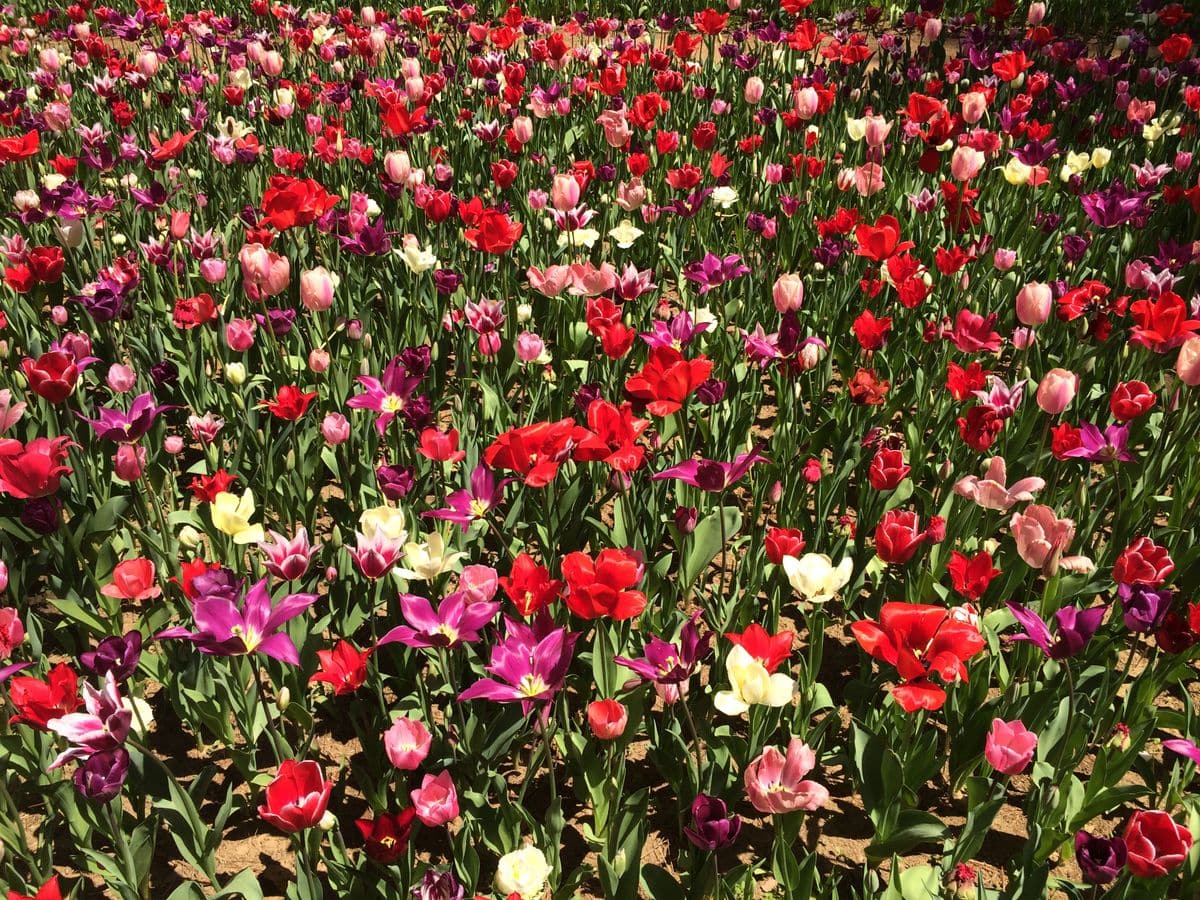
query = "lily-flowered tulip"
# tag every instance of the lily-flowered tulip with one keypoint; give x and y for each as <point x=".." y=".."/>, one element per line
<point x="104" y="726"/>
<point x="751" y="685"/>
<point x="428" y="559"/>
<point x="814" y="576"/>
<point x="774" y="781"/>
<point x="992" y="490"/>
<point x="225" y="629"/>
<point x="528" y="666"/>
<point x="456" y="621"/>
<point x="1075" y="628"/>
<point x="231" y="514"/>
<point x="288" y="559"/>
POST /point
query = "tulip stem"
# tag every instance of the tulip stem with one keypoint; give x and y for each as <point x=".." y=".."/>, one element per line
<point x="1066" y="738"/>
<point x="126" y="862"/>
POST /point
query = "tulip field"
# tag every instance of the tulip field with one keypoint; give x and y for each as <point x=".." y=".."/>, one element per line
<point x="704" y="450"/>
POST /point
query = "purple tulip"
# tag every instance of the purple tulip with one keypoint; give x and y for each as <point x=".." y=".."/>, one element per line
<point x="710" y="475"/>
<point x="222" y="629"/>
<point x="1075" y="629"/>
<point x="116" y="654"/>
<point x="528" y="666"/>
<point x="713" y="827"/>
<point x="664" y="663"/>
<point x="1100" y="859"/>
<point x="1144" y="607"/>
<point x="126" y="427"/>
<point x="101" y="776"/>
<point x="456" y="621"/>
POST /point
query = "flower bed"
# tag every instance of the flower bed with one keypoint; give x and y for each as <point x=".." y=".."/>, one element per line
<point x="744" y="453"/>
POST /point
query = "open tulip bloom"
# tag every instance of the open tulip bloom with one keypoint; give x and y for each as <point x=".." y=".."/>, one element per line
<point x="631" y="445"/>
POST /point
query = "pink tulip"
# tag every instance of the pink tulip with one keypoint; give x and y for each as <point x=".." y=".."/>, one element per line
<point x="877" y="130"/>
<point x="479" y="583"/>
<point x="130" y="462"/>
<point x="396" y="167"/>
<point x="991" y="491"/>
<point x="773" y="781"/>
<point x="120" y="378"/>
<point x="754" y="89"/>
<point x="806" y="103"/>
<point x="264" y="272"/>
<point x="788" y="292"/>
<point x="316" y="288"/>
<point x="1187" y="365"/>
<point x="335" y="428"/>
<point x="213" y="270"/>
<point x="564" y="193"/>
<point x="529" y="347"/>
<point x="966" y="163"/>
<point x="1041" y="537"/>
<point x="1033" y="304"/>
<point x="1009" y="747"/>
<point x="522" y="127"/>
<point x="435" y="801"/>
<point x="974" y="105"/>
<point x="239" y="334"/>
<point x="1056" y="391"/>
<point x="1004" y="259"/>
<point x="407" y="743"/>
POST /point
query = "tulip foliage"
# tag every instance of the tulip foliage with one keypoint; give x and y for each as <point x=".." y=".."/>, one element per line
<point x="674" y="452"/>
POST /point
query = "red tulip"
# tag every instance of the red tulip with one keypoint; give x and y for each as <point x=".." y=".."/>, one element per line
<point x="603" y="587"/>
<point x="607" y="719"/>
<point x="52" y="375"/>
<point x="1156" y="843"/>
<point x="783" y="542"/>
<point x="37" y="701"/>
<point x="297" y="798"/>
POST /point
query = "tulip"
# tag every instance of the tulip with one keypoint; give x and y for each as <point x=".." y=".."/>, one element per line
<point x="407" y="743"/>
<point x="317" y="287"/>
<point x="788" y="292"/>
<point x="1041" y="537"/>
<point x="806" y="102"/>
<point x="1034" y="301"/>
<point x="231" y="515"/>
<point x="773" y="780"/>
<point x="1056" y="391"/>
<point x="335" y="428"/>
<point x="297" y="798"/>
<point x="751" y="685"/>
<point x="239" y="334"/>
<point x="966" y="163"/>
<point x="1100" y="859"/>
<point x="607" y="719"/>
<point x="1156" y="843"/>
<point x="814" y="576"/>
<point x="1187" y="364"/>
<point x="264" y="272"/>
<point x="564" y="193"/>
<point x="1009" y="747"/>
<point x="435" y="801"/>
<point x="753" y="91"/>
<point x="522" y="872"/>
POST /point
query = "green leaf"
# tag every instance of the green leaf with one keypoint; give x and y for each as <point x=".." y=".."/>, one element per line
<point x="705" y="543"/>
<point x="913" y="827"/>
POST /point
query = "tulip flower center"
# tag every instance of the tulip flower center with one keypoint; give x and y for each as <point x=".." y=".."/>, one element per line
<point x="532" y="685"/>
<point x="392" y="403"/>
<point x="479" y="508"/>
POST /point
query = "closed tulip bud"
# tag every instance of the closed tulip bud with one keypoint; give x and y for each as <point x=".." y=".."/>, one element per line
<point x="120" y="378"/>
<point x="239" y="334"/>
<point x="189" y="537"/>
<point x="283" y="699"/>
<point x="1034" y="301"/>
<point x="530" y="347"/>
<point x="876" y="130"/>
<point x="1187" y="364"/>
<point x="213" y="270"/>
<point x="396" y="167"/>
<point x="607" y="719"/>
<point x="173" y="444"/>
<point x="524" y="313"/>
<point x="1004" y="259"/>
<point x="335" y="428"/>
<point x="522" y="127"/>
<point x="806" y="103"/>
<point x="1056" y="391"/>
<point x="1037" y="12"/>
<point x="70" y="233"/>
<point x="272" y="63"/>
<point x="933" y="29"/>
<point x="130" y="462"/>
<point x="754" y="89"/>
<point x="317" y="287"/>
<point x="564" y="193"/>
<point x="788" y="292"/>
<point x="1024" y="338"/>
<point x="1183" y="161"/>
<point x="966" y="163"/>
<point x="686" y="518"/>
<point x="59" y="315"/>
<point x="235" y="374"/>
<point x="318" y="360"/>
